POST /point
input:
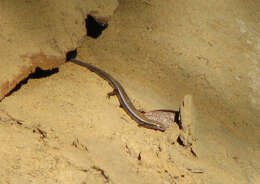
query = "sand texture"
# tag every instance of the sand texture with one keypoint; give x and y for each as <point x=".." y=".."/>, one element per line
<point x="202" y="57"/>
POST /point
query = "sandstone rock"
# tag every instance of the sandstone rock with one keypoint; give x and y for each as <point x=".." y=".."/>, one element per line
<point x="186" y="120"/>
<point x="39" y="34"/>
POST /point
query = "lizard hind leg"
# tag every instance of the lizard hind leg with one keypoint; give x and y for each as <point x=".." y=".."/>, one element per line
<point x="112" y="93"/>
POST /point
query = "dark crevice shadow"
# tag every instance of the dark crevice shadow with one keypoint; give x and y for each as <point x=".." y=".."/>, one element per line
<point x="39" y="73"/>
<point x="71" y="55"/>
<point x="178" y="119"/>
<point x="94" y="27"/>
<point x="180" y="142"/>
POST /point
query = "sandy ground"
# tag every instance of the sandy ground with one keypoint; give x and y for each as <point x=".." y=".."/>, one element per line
<point x="63" y="129"/>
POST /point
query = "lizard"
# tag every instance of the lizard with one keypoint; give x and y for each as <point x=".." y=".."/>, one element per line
<point x="123" y="98"/>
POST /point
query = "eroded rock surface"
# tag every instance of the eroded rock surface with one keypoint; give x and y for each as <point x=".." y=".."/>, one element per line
<point x="39" y="33"/>
<point x="63" y="129"/>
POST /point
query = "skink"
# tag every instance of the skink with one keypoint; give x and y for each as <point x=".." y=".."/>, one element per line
<point x="123" y="98"/>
